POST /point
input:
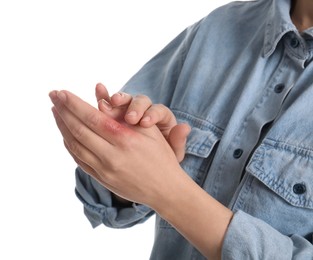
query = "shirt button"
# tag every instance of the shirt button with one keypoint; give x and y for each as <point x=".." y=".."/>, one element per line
<point x="279" y="88"/>
<point x="294" y="43"/>
<point x="306" y="63"/>
<point x="299" y="188"/>
<point x="237" y="153"/>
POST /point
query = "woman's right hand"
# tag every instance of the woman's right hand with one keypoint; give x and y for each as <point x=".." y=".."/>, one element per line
<point x="139" y="110"/>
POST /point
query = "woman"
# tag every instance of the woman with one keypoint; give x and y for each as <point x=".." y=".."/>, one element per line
<point x="242" y="79"/>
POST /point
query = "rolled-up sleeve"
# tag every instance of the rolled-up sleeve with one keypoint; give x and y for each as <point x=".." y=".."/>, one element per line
<point x="99" y="207"/>
<point x="251" y="238"/>
<point x="157" y="79"/>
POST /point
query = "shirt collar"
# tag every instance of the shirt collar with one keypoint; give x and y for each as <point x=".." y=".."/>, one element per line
<point x="277" y="25"/>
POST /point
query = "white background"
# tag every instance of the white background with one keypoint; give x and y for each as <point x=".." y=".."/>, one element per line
<point x="72" y="45"/>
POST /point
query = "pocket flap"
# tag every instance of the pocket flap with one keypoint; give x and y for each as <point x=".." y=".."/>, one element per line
<point x="200" y="142"/>
<point x="203" y="136"/>
<point x="285" y="169"/>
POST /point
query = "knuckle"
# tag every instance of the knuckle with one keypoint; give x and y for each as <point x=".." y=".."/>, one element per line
<point x="93" y="119"/>
<point x="142" y="99"/>
<point x="74" y="147"/>
<point x="114" y="166"/>
<point x="161" y="110"/>
<point x="78" y="132"/>
<point x="140" y="96"/>
<point x="125" y="95"/>
<point x="161" y="107"/>
<point x="121" y="98"/>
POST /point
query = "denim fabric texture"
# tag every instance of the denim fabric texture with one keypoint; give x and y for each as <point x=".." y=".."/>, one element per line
<point x="242" y="78"/>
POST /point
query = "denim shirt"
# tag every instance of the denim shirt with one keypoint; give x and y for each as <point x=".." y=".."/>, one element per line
<point x="242" y="79"/>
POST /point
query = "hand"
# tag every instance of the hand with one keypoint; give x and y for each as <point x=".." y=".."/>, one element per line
<point x="133" y="162"/>
<point x="138" y="164"/>
<point x="139" y="110"/>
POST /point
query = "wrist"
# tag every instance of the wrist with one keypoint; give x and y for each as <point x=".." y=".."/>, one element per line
<point x="196" y="215"/>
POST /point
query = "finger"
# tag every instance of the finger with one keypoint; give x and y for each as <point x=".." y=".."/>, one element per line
<point x="81" y="140"/>
<point x="87" y="124"/>
<point x="160" y="115"/>
<point x="116" y="113"/>
<point x="80" y="154"/>
<point x="77" y="151"/>
<point x="103" y="98"/>
<point x="93" y="173"/>
<point x="117" y="107"/>
<point x="103" y="181"/>
<point x="104" y="106"/>
<point x="121" y="99"/>
<point x="86" y="168"/>
<point x="102" y="92"/>
<point x="137" y="108"/>
<point x="177" y="139"/>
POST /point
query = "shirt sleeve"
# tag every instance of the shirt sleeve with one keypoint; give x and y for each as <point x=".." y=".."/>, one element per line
<point x="251" y="238"/>
<point x="158" y="78"/>
<point x="99" y="206"/>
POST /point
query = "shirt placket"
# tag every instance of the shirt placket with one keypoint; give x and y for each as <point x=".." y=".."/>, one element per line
<point x="230" y="166"/>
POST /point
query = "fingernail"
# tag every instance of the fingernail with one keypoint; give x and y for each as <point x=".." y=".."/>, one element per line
<point x="61" y="95"/>
<point x="106" y="105"/>
<point x="146" y="119"/>
<point x="132" y="113"/>
<point x="122" y="94"/>
<point x="53" y="95"/>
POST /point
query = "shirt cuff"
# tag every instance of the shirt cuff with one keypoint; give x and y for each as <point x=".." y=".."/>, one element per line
<point x="248" y="237"/>
<point x="99" y="206"/>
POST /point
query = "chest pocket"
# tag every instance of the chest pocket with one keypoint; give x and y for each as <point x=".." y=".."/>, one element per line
<point x="199" y="153"/>
<point x="200" y="145"/>
<point x="281" y="190"/>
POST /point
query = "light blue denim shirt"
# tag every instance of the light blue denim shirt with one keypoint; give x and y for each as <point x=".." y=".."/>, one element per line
<point x="242" y="78"/>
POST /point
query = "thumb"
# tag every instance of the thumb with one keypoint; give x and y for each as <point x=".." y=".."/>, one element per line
<point x="177" y="139"/>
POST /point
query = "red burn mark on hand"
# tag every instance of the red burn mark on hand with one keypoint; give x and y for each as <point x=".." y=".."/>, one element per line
<point x="114" y="127"/>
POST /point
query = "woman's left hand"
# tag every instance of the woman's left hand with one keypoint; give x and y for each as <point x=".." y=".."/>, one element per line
<point x="133" y="162"/>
